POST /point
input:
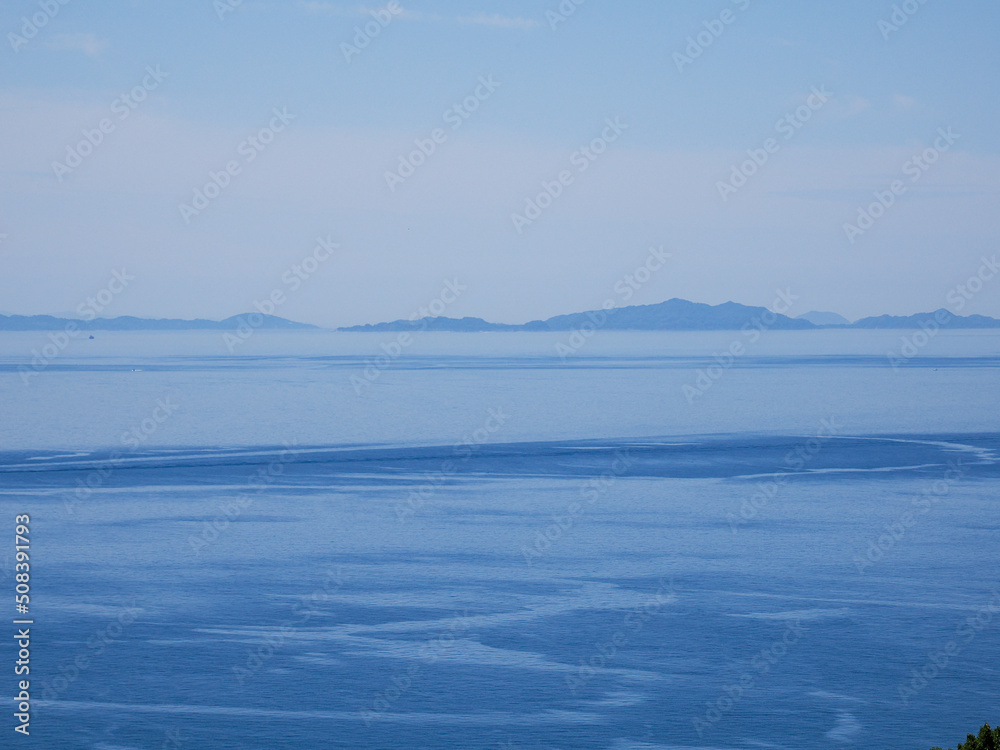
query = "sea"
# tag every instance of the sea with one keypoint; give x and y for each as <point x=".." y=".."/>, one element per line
<point x="503" y="541"/>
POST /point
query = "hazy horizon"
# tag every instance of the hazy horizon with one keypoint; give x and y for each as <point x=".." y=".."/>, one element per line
<point x="680" y="525"/>
<point x="73" y="315"/>
<point x="306" y="120"/>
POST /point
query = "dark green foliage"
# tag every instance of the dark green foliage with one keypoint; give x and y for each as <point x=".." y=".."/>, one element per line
<point x="988" y="739"/>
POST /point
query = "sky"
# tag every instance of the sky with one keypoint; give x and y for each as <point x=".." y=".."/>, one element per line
<point x="341" y="164"/>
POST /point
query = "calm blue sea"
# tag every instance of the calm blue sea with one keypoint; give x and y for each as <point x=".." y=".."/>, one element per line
<point x="323" y="540"/>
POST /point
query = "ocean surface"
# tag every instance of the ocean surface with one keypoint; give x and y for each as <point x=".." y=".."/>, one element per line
<point x="323" y="540"/>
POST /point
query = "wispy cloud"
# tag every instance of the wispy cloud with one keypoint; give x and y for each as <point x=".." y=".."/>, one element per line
<point x="354" y="11"/>
<point x="325" y="7"/>
<point x="88" y="44"/>
<point x="328" y="8"/>
<point x="857" y="105"/>
<point x="902" y="101"/>
<point x="504" y="22"/>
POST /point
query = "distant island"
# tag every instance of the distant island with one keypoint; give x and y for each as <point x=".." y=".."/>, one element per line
<point x="682" y="315"/>
<point x="672" y="315"/>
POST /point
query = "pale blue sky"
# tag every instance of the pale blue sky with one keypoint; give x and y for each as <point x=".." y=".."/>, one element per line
<point x="324" y="174"/>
